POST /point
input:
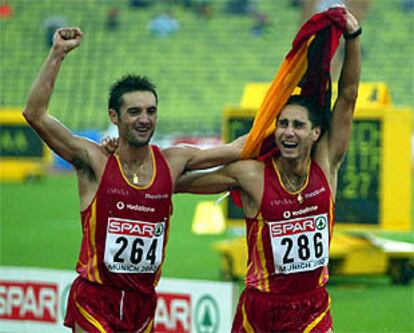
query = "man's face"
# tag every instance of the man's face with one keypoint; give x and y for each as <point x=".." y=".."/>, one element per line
<point x="294" y="134"/>
<point x="137" y="117"/>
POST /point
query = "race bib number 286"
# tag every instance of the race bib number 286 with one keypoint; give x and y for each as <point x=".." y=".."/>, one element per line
<point x="133" y="246"/>
<point x="300" y="245"/>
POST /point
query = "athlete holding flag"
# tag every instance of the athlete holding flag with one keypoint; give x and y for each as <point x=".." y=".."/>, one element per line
<point x="288" y="203"/>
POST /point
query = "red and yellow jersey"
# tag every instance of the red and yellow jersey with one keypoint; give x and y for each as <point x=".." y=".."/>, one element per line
<point x="288" y="241"/>
<point x="125" y="228"/>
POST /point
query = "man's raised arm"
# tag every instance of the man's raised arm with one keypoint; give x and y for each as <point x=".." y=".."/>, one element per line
<point x="341" y="124"/>
<point x="54" y="133"/>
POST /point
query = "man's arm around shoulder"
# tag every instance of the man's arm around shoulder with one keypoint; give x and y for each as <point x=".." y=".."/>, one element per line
<point x="189" y="157"/>
<point x="239" y="174"/>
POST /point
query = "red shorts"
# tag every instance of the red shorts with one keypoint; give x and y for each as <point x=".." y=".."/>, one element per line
<point x="264" y="312"/>
<point x="100" y="309"/>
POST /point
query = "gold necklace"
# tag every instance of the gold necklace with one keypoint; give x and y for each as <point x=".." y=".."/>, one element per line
<point x="300" y="197"/>
<point x="127" y="170"/>
<point x="135" y="178"/>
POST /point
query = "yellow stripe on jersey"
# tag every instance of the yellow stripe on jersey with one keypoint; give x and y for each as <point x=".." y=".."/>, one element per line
<point x="252" y="263"/>
<point x="80" y="263"/>
<point x="331" y="215"/>
<point x="324" y="277"/>
<point x="260" y="248"/>
<point x="246" y="324"/>
<point x="318" y="319"/>
<point x="87" y="230"/>
<point x="148" y="329"/>
<point x="253" y="260"/>
<point x="92" y="226"/>
<point x="90" y="318"/>
<point x="256" y="258"/>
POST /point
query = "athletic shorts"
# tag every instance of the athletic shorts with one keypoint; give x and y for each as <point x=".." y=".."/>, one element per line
<point x="264" y="312"/>
<point x="100" y="309"/>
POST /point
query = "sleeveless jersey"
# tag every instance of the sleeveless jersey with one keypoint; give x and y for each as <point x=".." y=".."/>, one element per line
<point x="125" y="228"/>
<point x="288" y="241"/>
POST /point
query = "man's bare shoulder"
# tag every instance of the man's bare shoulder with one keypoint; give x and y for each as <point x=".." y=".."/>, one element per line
<point x="245" y="168"/>
<point x="178" y="151"/>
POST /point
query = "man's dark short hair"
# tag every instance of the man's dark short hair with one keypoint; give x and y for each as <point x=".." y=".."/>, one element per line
<point x="129" y="83"/>
<point x="317" y="115"/>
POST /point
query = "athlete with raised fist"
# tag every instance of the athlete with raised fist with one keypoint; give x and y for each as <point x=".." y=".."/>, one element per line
<point x="125" y="198"/>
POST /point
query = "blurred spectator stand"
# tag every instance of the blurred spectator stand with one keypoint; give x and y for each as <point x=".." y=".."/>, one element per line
<point x="140" y="3"/>
<point x="5" y="10"/>
<point x="205" y="9"/>
<point x="261" y="22"/>
<point x="112" y="18"/>
<point x="407" y="5"/>
<point x="357" y="7"/>
<point x="240" y="6"/>
<point x="164" y="25"/>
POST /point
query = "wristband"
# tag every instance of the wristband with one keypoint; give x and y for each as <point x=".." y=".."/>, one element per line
<point x="353" y="35"/>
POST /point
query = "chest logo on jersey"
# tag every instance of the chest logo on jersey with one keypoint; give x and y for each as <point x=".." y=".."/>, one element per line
<point x="287" y="213"/>
<point x="117" y="191"/>
<point x="288" y="201"/>
<point x="158" y="196"/>
<point x="134" y="228"/>
<point x="138" y="208"/>
<point x="315" y="193"/>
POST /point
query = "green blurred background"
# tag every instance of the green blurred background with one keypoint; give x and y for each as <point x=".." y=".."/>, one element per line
<point x="198" y="70"/>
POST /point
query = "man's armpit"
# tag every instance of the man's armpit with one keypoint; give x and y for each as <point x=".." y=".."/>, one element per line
<point x="84" y="168"/>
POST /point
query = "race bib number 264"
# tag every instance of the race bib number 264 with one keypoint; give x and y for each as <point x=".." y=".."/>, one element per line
<point x="300" y="245"/>
<point x="133" y="246"/>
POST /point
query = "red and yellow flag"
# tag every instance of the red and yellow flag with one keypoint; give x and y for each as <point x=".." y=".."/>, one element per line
<point x="307" y="66"/>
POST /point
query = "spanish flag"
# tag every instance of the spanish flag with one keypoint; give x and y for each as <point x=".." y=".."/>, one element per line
<point x="306" y="68"/>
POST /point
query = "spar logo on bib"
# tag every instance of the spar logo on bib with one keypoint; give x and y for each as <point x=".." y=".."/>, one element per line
<point x="320" y="222"/>
<point x="133" y="246"/>
<point x="300" y="245"/>
<point x="292" y="227"/>
<point x="134" y="228"/>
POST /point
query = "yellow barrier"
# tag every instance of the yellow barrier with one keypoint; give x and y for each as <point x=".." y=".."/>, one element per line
<point x="370" y="94"/>
<point x="208" y="219"/>
<point x="24" y="156"/>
